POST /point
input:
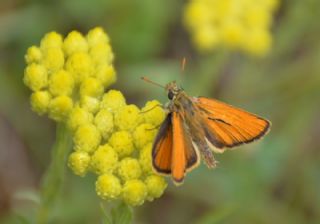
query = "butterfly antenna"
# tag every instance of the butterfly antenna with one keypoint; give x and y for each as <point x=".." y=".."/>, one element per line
<point x="152" y="82"/>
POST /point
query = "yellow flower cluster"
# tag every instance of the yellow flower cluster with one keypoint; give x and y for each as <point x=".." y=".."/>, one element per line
<point x="234" y="24"/>
<point x="115" y="143"/>
<point x="111" y="139"/>
<point x="69" y="73"/>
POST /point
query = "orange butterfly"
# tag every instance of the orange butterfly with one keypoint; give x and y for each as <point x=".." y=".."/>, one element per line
<point x="199" y="125"/>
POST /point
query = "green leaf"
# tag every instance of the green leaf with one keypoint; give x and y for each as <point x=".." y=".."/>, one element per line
<point x="122" y="214"/>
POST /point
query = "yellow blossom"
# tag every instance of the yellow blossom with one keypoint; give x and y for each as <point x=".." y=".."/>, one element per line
<point x="129" y="168"/>
<point x="108" y="186"/>
<point x="153" y="113"/>
<point x="104" y="122"/>
<point x="33" y="55"/>
<point x="144" y="134"/>
<point x="35" y="77"/>
<point x="86" y="138"/>
<point x="91" y="87"/>
<point x="89" y="103"/>
<point x="40" y="101"/>
<point x="79" y="116"/>
<point x="230" y="24"/>
<point x="60" y="107"/>
<point x="80" y="66"/>
<point x="75" y="43"/>
<point x="101" y="53"/>
<point x="79" y="162"/>
<point x="106" y="74"/>
<point x="104" y="160"/>
<point x="145" y="159"/>
<point x="156" y="186"/>
<point x="122" y="142"/>
<point x="53" y="59"/>
<point x="127" y="117"/>
<point x="61" y="83"/>
<point x="97" y="36"/>
<point x="134" y="192"/>
<point x="113" y="100"/>
<point x="51" y="40"/>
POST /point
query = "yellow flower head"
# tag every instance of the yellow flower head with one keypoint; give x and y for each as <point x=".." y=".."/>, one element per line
<point x="129" y="168"/>
<point x="230" y="24"/>
<point x="79" y="162"/>
<point x="108" y="186"/>
<point x="134" y="192"/>
<point x="69" y="78"/>
<point x="104" y="160"/>
<point x="87" y="138"/>
<point x="113" y="100"/>
<point x="155" y="185"/>
<point x="78" y="116"/>
<point x="122" y="142"/>
<point x="127" y="117"/>
<point x="40" y="101"/>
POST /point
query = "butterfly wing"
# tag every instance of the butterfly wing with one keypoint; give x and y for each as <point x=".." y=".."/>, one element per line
<point x="184" y="155"/>
<point x="228" y="126"/>
<point x="173" y="152"/>
<point x="162" y="148"/>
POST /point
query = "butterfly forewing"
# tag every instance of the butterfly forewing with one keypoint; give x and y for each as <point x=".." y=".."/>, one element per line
<point x="162" y="148"/>
<point x="184" y="156"/>
<point x="228" y="126"/>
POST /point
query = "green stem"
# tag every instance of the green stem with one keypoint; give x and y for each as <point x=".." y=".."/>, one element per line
<point x="54" y="176"/>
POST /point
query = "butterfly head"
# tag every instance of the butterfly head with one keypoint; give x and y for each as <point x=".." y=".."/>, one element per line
<point x="173" y="90"/>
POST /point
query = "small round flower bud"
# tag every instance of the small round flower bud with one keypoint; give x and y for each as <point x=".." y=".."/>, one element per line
<point x="232" y="34"/>
<point x="78" y="116"/>
<point x="91" y="87"/>
<point x="129" y="169"/>
<point x="53" y="59"/>
<point x="60" y="107"/>
<point x="40" y="101"/>
<point x="153" y="113"/>
<point x="104" y="122"/>
<point x="127" y="117"/>
<point x="61" y="83"/>
<point x="97" y="36"/>
<point x="207" y="38"/>
<point x="108" y="187"/>
<point x="90" y="104"/>
<point x="113" y="100"/>
<point x="104" y="160"/>
<point x="79" y="162"/>
<point x="80" y="66"/>
<point x="51" y="40"/>
<point x="75" y="43"/>
<point x="122" y="142"/>
<point x="33" y="55"/>
<point x="106" y="75"/>
<point x="145" y="159"/>
<point x="156" y="186"/>
<point x="86" y="138"/>
<point x="143" y="134"/>
<point x="101" y="53"/>
<point x="134" y="192"/>
<point x="35" y="77"/>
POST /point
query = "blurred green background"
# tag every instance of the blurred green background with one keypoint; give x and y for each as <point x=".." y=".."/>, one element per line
<point x="276" y="180"/>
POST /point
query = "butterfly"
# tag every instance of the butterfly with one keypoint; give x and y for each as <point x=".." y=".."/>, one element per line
<point x="199" y="126"/>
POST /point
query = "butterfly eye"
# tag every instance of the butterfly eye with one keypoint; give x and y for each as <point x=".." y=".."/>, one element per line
<point x="170" y="95"/>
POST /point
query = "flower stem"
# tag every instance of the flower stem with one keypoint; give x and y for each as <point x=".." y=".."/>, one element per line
<point x="54" y="176"/>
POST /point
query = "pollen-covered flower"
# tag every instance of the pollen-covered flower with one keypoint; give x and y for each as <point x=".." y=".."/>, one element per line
<point x="235" y="24"/>
<point x="69" y="77"/>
